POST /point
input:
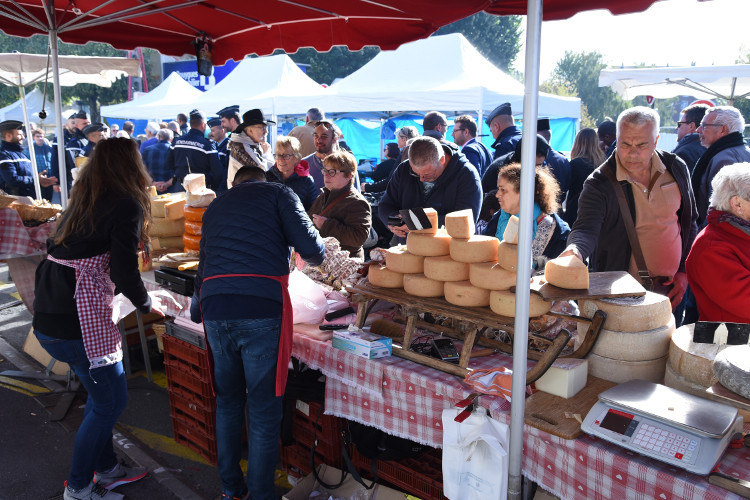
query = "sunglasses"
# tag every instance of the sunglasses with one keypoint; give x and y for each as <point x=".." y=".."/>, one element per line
<point x="285" y="156"/>
<point x="324" y="123"/>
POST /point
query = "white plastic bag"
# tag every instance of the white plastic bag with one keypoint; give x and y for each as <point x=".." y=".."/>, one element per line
<point x="475" y="457"/>
<point x="309" y="301"/>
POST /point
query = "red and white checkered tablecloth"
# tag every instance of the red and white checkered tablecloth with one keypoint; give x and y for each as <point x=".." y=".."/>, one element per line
<point x="17" y="239"/>
<point x="407" y="399"/>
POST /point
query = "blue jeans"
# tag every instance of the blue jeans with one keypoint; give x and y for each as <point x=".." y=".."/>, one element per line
<point x="244" y="354"/>
<point x="108" y="395"/>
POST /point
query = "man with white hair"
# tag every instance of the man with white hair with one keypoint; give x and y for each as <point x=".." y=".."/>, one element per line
<point x="152" y="128"/>
<point x="721" y="132"/>
<point x="656" y="188"/>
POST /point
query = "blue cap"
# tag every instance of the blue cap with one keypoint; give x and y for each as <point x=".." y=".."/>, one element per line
<point x="214" y="122"/>
<point x="503" y="109"/>
<point x="232" y="111"/>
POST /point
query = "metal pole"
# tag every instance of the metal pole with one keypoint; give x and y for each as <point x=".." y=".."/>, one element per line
<point x="29" y="138"/>
<point x="63" y="174"/>
<point x="528" y="161"/>
<point x="382" y="139"/>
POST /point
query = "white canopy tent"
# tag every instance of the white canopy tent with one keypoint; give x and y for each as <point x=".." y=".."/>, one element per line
<point x="173" y="95"/>
<point x="35" y="102"/>
<point x="701" y="82"/>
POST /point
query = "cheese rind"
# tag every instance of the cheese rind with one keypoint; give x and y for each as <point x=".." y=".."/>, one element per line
<point x="460" y="224"/>
<point x="478" y="248"/>
<point x="630" y="346"/>
<point x="422" y="286"/>
<point x="193" y="228"/>
<point x="732" y="368"/>
<point x="383" y="277"/>
<point x="507" y="255"/>
<point x="491" y="276"/>
<point x="432" y="215"/>
<point x="567" y="272"/>
<point x="511" y="231"/>
<point x="399" y="259"/>
<point x="194" y="214"/>
<point x="619" y="371"/>
<point x="428" y="245"/>
<point x="191" y="242"/>
<point x="463" y="293"/>
<point x="631" y="314"/>
<point x="693" y="361"/>
<point x="443" y="268"/>
<point x="565" y="378"/>
<point x="166" y="227"/>
<point x="503" y="302"/>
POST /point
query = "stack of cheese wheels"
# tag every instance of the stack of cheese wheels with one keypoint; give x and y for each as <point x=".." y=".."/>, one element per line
<point x="193" y="228"/>
<point x="167" y="221"/>
<point x="507" y="252"/>
<point x="567" y="272"/>
<point x="634" y="340"/>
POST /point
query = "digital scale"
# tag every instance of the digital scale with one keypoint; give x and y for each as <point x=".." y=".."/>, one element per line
<point x="666" y="424"/>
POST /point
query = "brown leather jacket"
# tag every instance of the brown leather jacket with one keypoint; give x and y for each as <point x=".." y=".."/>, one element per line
<point x="349" y="218"/>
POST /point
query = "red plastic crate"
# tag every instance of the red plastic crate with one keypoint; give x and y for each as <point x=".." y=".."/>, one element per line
<point x="193" y="414"/>
<point x="196" y="440"/>
<point x="421" y="476"/>
<point x="327" y="431"/>
<point x="186" y="357"/>
<point x="193" y="389"/>
<point x="295" y="460"/>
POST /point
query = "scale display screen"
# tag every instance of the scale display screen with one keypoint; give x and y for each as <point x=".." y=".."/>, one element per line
<point x="616" y="421"/>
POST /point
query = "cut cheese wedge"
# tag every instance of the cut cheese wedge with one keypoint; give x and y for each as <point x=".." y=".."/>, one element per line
<point x="507" y="255"/>
<point x="511" y="231"/>
<point x="422" y="286"/>
<point x="567" y="272"/>
<point x="399" y="259"/>
<point x="630" y="346"/>
<point x="565" y="378"/>
<point x="432" y="215"/>
<point x="168" y="206"/>
<point x="631" y="314"/>
<point x="202" y="198"/>
<point x="475" y="249"/>
<point x="460" y="224"/>
<point x="166" y="227"/>
<point x="152" y="191"/>
<point x="444" y="268"/>
<point x="463" y="293"/>
<point x="194" y="182"/>
<point x="619" y="371"/>
<point x="503" y="302"/>
<point x="428" y="245"/>
<point x="693" y="361"/>
<point x="383" y="277"/>
<point x="491" y="276"/>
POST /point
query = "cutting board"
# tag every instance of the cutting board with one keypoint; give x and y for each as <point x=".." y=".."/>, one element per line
<point x="601" y="285"/>
<point x="547" y="412"/>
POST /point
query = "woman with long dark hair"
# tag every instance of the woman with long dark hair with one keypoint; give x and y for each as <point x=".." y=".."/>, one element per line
<point x="94" y="249"/>
<point x="585" y="156"/>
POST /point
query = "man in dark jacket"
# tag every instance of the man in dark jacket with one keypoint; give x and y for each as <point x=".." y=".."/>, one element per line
<point x="436" y="175"/>
<point x="556" y="162"/>
<point x="657" y="189"/>
<point x="241" y="286"/>
<point x="503" y="129"/>
<point x="156" y="159"/>
<point x="465" y="135"/>
<point x="689" y="146"/>
<point x="16" y="172"/>
<point x="74" y="148"/>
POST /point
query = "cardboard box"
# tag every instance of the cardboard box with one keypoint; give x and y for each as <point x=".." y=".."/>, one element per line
<point x="33" y="348"/>
<point x="332" y="475"/>
<point x="363" y="344"/>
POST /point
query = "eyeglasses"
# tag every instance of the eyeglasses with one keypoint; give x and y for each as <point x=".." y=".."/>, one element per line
<point x="458" y="129"/>
<point x="285" y="156"/>
<point x="704" y="125"/>
<point x="330" y="173"/>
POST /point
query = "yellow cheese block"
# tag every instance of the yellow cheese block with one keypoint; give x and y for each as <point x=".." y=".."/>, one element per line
<point x="511" y="231"/>
<point x="444" y="268"/>
<point x="463" y="293"/>
<point x="631" y="314"/>
<point x="428" y="245"/>
<point x="503" y="302"/>
<point x="507" y="255"/>
<point x="567" y="272"/>
<point x="158" y="204"/>
<point x="166" y="227"/>
<point x="432" y="215"/>
<point x="491" y="276"/>
<point x="422" y="286"/>
<point x="194" y="182"/>
<point x="460" y="224"/>
<point x="383" y="277"/>
<point x="152" y="191"/>
<point x="402" y="261"/>
<point x="475" y="249"/>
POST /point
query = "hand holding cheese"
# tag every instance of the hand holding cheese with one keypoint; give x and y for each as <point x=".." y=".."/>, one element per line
<point x="567" y="272"/>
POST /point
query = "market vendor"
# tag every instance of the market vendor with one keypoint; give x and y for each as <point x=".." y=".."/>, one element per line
<point x="436" y="175"/>
<point x="16" y="172"/>
<point x="340" y="210"/>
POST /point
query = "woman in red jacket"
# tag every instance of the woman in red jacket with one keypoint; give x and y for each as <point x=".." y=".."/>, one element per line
<point x="718" y="266"/>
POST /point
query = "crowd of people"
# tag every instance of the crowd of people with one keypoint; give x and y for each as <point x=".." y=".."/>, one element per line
<point x="678" y="221"/>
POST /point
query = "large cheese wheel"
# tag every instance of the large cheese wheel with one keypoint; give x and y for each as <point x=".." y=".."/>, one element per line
<point x="444" y="268"/>
<point x="475" y="249"/>
<point x="507" y="255"/>
<point x="172" y="242"/>
<point x="503" y="302"/>
<point x="193" y="228"/>
<point x="693" y="361"/>
<point x="511" y="231"/>
<point x="631" y="314"/>
<point x="679" y="382"/>
<point x="383" y="277"/>
<point x="166" y="227"/>
<point x="732" y="368"/>
<point x="460" y="224"/>
<point x="202" y="198"/>
<point x="428" y="245"/>
<point x="432" y="215"/>
<point x="567" y="272"/>
<point x="402" y="261"/>
<point x="491" y="276"/>
<point x="191" y="242"/>
<point x="422" y="286"/>
<point x="194" y="214"/>
<point x="618" y="371"/>
<point x="630" y="346"/>
<point x="463" y="293"/>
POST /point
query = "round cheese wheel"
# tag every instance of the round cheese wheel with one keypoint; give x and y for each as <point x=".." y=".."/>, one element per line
<point x="491" y="276"/>
<point x="400" y="260"/>
<point x="460" y="224"/>
<point x="507" y="255"/>
<point x="693" y="361"/>
<point x="619" y="371"/>
<point x="191" y="242"/>
<point x="630" y="346"/>
<point x="567" y="272"/>
<point x="732" y="368"/>
<point x="383" y="277"/>
<point x="511" y="230"/>
<point x="193" y="228"/>
<point x="422" y="286"/>
<point x="428" y="245"/>
<point x="475" y="249"/>
<point x="503" y="302"/>
<point x="194" y="214"/>
<point x="631" y="314"/>
<point x="432" y="215"/>
<point x="463" y="293"/>
<point x="444" y="268"/>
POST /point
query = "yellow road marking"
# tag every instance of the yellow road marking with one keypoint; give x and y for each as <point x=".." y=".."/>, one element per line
<point x="15" y="295"/>
<point x="22" y="391"/>
<point x="159" y="377"/>
<point x="27" y="388"/>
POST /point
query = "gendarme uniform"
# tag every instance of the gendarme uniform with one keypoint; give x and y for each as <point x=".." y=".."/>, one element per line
<point x="221" y="147"/>
<point x="16" y="174"/>
<point x="193" y="153"/>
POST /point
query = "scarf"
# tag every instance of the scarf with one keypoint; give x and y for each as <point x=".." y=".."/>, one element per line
<point x="729" y="218"/>
<point x="728" y="141"/>
<point x="502" y="222"/>
<point x="247" y="152"/>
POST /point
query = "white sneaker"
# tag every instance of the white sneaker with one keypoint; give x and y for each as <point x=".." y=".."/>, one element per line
<point x="91" y="492"/>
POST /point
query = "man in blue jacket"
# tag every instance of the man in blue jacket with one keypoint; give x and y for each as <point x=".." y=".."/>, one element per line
<point x="241" y="286"/>
<point x="16" y="172"/>
<point x="436" y="175"/>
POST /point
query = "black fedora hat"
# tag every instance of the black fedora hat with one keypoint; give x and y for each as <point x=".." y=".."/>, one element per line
<point x="253" y="117"/>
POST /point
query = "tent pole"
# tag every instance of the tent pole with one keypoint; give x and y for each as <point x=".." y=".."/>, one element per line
<point x="62" y="172"/>
<point x="382" y="139"/>
<point x="731" y="93"/>
<point x="29" y="138"/>
<point x="528" y="161"/>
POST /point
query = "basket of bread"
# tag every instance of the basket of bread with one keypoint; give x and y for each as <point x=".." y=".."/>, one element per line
<point x="35" y="212"/>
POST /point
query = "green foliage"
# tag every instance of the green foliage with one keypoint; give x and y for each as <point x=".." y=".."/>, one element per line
<point x="336" y="63"/>
<point x="743" y="104"/>
<point x="498" y="38"/>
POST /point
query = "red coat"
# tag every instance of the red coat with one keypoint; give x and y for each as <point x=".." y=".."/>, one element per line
<point x="718" y="270"/>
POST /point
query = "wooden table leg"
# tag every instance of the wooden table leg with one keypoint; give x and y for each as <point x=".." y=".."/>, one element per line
<point x="411" y="321"/>
<point x="470" y="332"/>
<point x="363" y="302"/>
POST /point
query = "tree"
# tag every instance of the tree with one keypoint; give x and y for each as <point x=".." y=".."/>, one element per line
<point x="743" y="104"/>
<point x="336" y="63"/>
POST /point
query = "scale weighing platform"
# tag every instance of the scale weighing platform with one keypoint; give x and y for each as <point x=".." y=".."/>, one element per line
<point x="666" y="424"/>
